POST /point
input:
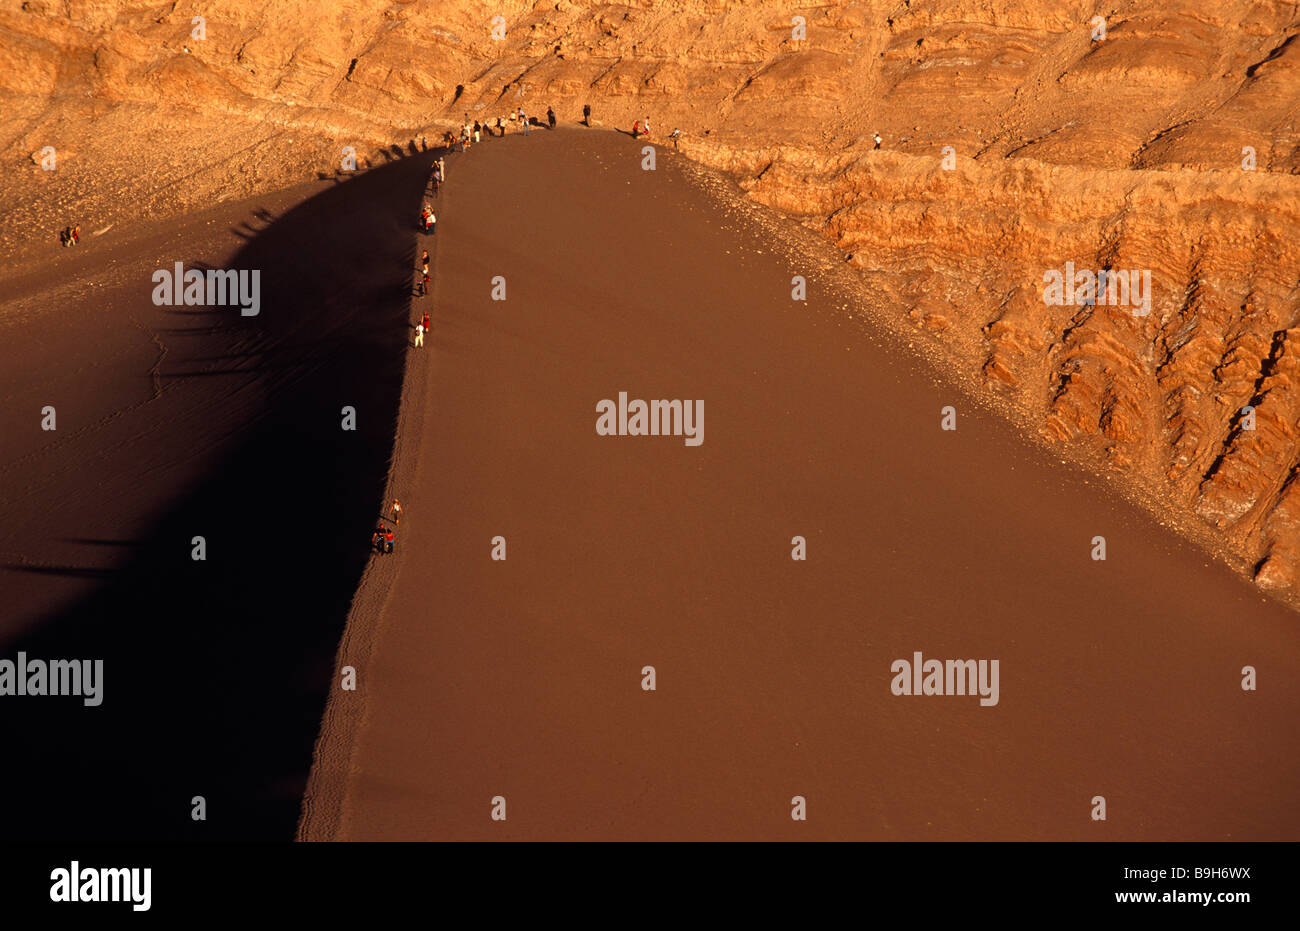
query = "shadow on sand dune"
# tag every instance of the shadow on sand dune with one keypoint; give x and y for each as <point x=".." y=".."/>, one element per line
<point x="216" y="671"/>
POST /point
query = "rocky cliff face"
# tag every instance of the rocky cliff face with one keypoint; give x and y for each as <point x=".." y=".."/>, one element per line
<point x="1018" y="138"/>
<point x="1189" y="387"/>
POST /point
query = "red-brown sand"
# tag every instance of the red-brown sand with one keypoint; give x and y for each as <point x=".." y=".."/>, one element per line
<point x="522" y="678"/>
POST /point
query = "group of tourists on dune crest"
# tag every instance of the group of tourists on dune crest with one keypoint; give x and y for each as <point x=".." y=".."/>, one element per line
<point x="472" y="132"/>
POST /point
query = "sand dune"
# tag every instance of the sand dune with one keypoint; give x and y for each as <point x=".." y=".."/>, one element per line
<point x="522" y="678"/>
<point x="1015" y="139"/>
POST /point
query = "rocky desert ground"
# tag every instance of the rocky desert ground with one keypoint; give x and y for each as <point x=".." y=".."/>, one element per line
<point x="1017" y="138"/>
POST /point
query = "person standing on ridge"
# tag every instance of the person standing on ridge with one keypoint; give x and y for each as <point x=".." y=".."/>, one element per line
<point x="550" y="117"/>
<point x="586" y="114"/>
<point x="397" y="511"/>
<point x="675" y="135"/>
<point x="419" y="335"/>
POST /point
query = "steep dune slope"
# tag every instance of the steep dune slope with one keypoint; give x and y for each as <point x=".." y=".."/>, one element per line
<point x="521" y="678"/>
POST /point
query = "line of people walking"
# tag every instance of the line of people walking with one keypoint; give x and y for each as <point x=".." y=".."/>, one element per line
<point x="383" y="539"/>
<point x="472" y="131"/>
